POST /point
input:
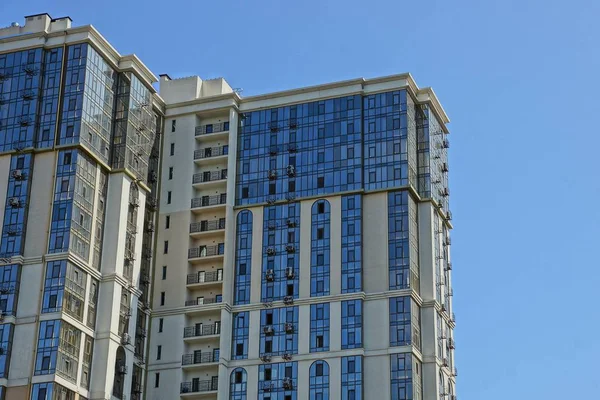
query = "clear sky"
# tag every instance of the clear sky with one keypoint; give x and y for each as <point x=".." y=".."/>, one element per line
<point x="519" y="80"/>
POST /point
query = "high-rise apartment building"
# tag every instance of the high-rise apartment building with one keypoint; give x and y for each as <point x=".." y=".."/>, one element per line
<point x="297" y="246"/>
<point x="79" y="159"/>
<point x="303" y="244"/>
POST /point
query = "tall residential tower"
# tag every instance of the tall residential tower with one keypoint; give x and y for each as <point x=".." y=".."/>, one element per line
<point x="303" y="244"/>
<point x="79" y="159"/>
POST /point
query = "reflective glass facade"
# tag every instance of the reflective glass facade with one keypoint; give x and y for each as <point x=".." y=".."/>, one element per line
<point x="320" y="257"/>
<point x="51" y="391"/>
<point x="351" y="324"/>
<point x="6" y="339"/>
<point x="319" y="381"/>
<point x="239" y="342"/>
<point x="405" y="325"/>
<point x="278" y="381"/>
<point x="20" y="81"/>
<point x="10" y="280"/>
<point x="281" y="247"/>
<point x="319" y="327"/>
<point x="243" y="257"/>
<point x="279" y="331"/>
<point x="64" y="289"/>
<point x="406" y="377"/>
<point x="351" y="243"/>
<point x="238" y="384"/>
<point x="402" y="241"/>
<point x="16" y="206"/>
<point x="352" y="378"/>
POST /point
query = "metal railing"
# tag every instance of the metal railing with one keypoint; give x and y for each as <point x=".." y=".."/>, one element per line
<point x="199" y="358"/>
<point x="205" y="226"/>
<point x="201" y="330"/>
<point x="206" y="251"/>
<point x="206" y="201"/>
<point x="199" y="386"/>
<point x="203" y="301"/>
<point x="212" y="276"/>
<point x="209" y="176"/>
<point x="208" y="152"/>
<point x="212" y="128"/>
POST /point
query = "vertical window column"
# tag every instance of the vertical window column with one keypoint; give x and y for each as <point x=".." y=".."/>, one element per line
<point x="243" y="257"/>
<point x="320" y="248"/>
<point x="352" y="379"/>
<point x="351" y="243"/>
<point x="239" y="340"/>
<point x="17" y="204"/>
<point x="351" y="324"/>
<point x="319" y="327"/>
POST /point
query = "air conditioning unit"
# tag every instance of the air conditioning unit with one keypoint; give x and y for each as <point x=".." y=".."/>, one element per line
<point x="272" y="225"/>
<point x="444" y="167"/>
<point x="125" y="339"/>
<point x="290" y="197"/>
<point x="290" y="248"/>
<point x="448" y="241"/>
<point x="445" y="362"/>
<point x="271" y="251"/>
<point x="270" y="275"/>
<point x="135" y="202"/>
<point x="122" y="369"/>
<point x="448" y="266"/>
<point x="445" y="192"/>
<point x="451" y="343"/>
<point x="271" y="200"/>
<point x="273" y="150"/>
<point x="446" y="144"/>
<point x="272" y="174"/>
<point x="291" y="222"/>
<point x="14" y="202"/>
<point x="4" y="289"/>
<point x="288" y="300"/>
<point x="1" y="315"/>
<point x="292" y="148"/>
<point x="265" y="358"/>
<point x="291" y="170"/>
<point x="449" y="216"/>
<point x="153" y="176"/>
<point x="293" y="124"/>
<point x="288" y="384"/>
<point x="289" y="273"/>
<point x="150" y="227"/>
<point x="289" y="327"/>
<point x="443" y="308"/>
<point x="18" y="174"/>
<point x="286" y="356"/>
<point x="268" y="330"/>
<point x="2" y="351"/>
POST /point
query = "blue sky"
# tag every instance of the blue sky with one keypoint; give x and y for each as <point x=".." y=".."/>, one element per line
<point x="519" y="81"/>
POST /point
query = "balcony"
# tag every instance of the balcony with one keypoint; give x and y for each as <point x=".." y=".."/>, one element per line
<point x="207" y="227"/>
<point x="206" y="202"/>
<point x="211" y="154"/>
<point x="214" y="130"/>
<point x="203" y="301"/>
<point x="206" y="253"/>
<point x="199" y="358"/>
<point x="198" y="386"/>
<point x="205" y="278"/>
<point x="202" y="331"/>
<point x="205" y="178"/>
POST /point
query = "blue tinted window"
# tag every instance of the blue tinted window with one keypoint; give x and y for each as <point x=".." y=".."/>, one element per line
<point x="6" y="338"/>
<point x="243" y="257"/>
<point x="16" y="206"/>
<point x="352" y="378"/>
<point x="10" y="280"/>
<point x="278" y="381"/>
<point x="351" y="324"/>
<point x="319" y="381"/>
<point x="402" y="385"/>
<point x="279" y="331"/>
<point x="351" y="243"/>
<point x="405" y="325"/>
<point x="239" y="342"/>
<point x="320" y="248"/>
<point x="319" y="327"/>
<point x="237" y="384"/>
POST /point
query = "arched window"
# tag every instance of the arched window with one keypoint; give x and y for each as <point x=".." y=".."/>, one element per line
<point x="442" y="385"/>
<point x="120" y="371"/>
<point x="243" y="257"/>
<point x="319" y="381"/>
<point x="320" y="254"/>
<point x="237" y="384"/>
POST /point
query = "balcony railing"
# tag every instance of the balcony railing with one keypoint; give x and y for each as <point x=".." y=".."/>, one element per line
<point x="206" y="201"/>
<point x="199" y="386"/>
<point x="206" y="251"/>
<point x="212" y="128"/>
<point x="210" y="176"/>
<point x="205" y="226"/>
<point x="213" y="276"/>
<point x="203" y="301"/>
<point x="209" y="152"/>
<point x="199" y="358"/>
<point x="201" y="330"/>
